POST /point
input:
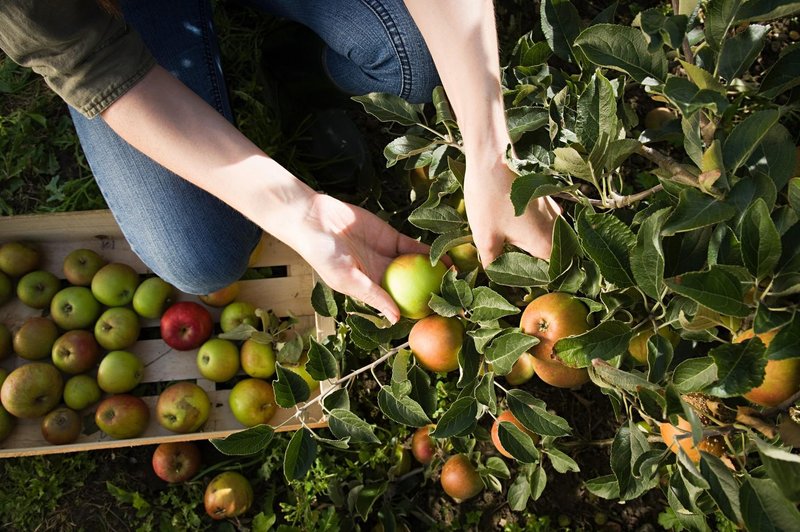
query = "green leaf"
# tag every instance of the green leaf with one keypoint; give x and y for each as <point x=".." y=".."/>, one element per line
<point x="524" y="119"/>
<point x="444" y="113"/>
<point x="488" y="305"/>
<point x="783" y="75"/>
<point x="647" y="256"/>
<point x="746" y="136"/>
<point x="323" y="300"/>
<point x="739" y="51"/>
<point x="606" y="341"/>
<point x="290" y="388"/>
<point x="625" y="451"/>
<point x="605" y="487"/>
<point x="517" y="443"/>
<point x="533" y="414"/>
<point x="716" y="289"/>
<point x="456" y="291"/>
<point x="785" y="343"/>
<point x="406" y="147"/>
<point x="622" y="48"/>
<point x="690" y="98"/>
<point x="570" y="162"/>
<point x="764" y="10"/>
<point x="518" y="493"/>
<point x="764" y="508"/>
<point x="458" y="420"/>
<point x="773" y="161"/>
<point x="597" y="112"/>
<point x="421" y="390"/>
<point x="566" y="248"/>
<point x="337" y="399"/>
<point x="505" y="349"/>
<point x="531" y="186"/>
<point x="561" y="461"/>
<point x="782" y="466"/>
<point x="695" y="374"/>
<point x="761" y="243"/>
<point x="518" y="269"/>
<point x="245" y="442"/>
<point x="440" y="219"/>
<point x="696" y="210"/>
<point x="300" y="455"/>
<point x="321" y="365"/>
<point x="485" y="392"/>
<point x="344" y="423"/>
<point x="740" y="367"/>
<point x="538" y="480"/>
<point x="617" y="378"/>
<point x="447" y="241"/>
<point x="560" y="25"/>
<point x="403" y="410"/>
<point x="793" y="193"/>
<point x="608" y="241"/>
<point x="390" y="108"/>
<point x="692" y="141"/>
<point x="720" y="18"/>
<point x="723" y="487"/>
<point x="703" y="78"/>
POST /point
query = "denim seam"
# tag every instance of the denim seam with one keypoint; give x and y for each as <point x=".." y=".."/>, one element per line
<point x="209" y="57"/>
<point x="391" y="27"/>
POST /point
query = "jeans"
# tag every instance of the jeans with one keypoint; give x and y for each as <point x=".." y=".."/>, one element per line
<point x="183" y="234"/>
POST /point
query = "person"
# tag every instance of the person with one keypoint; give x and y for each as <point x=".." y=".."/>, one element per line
<point x="192" y="194"/>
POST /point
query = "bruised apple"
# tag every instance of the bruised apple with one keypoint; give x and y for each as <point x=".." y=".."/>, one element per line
<point x="506" y="415"/>
<point x="183" y="407"/>
<point x="781" y="377"/>
<point x="423" y="446"/>
<point x="681" y="435"/>
<point x="551" y="317"/>
<point x="229" y="494"/>
<point x="436" y="341"/>
<point x="176" y="462"/>
<point x="411" y="280"/>
<point x="460" y="479"/>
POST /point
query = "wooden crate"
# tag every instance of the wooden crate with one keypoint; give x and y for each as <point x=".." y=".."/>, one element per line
<point x="58" y="234"/>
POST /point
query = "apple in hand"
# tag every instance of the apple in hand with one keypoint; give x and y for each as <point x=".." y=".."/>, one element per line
<point x="18" y="258"/>
<point x="114" y="284"/>
<point x="222" y="297"/>
<point x="237" y="313"/>
<point x="32" y="390"/>
<point x="186" y="325"/>
<point x="35" y="338"/>
<point x="183" y="407"/>
<point x="37" y="288"/>
<point x="229" y="494"/>
<point x="81" y="391"/>
<point x="76" y="351"/>
<point x="252" y="402"/>
<point x="257" y="359"/>
<point x="152" y="297"/>
<point x="411" y="280"/>
<point x="218" y="359"/>
<point x="117" y="328"/>
<point x="122" y="416"/>
<point x="74" y="307"/>
<point x="176" y="462"/>
<point x="119" y="372"/>
<point x="80" y="265"/>
<point x="61" y="426"/>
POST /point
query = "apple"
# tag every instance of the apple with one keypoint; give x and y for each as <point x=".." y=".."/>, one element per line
<point x="465" y="257"/>
<point x="18" y="258"/>
<point x="637" y="347"/>
<point x="32" y="390"/>
<point x="411" y="280"/>
<point x="681" y="435"/>
<point x="222" y="297"/>
<point x="252" y="402"/>
<point x="114" y="284"/>
<point x="61" y="426"/>
<point x="436" y="342"/>
<point x="460" y="479"/>
<point x="183" y="407"/>
<point x="74" y="307"/>
<point x="522" y="371"/>
<point x="81" y="391"/>
<point x="7" y="422"/>
<point x="423" y="446"/>
<point x="122" y="416"/>
<point x="300" y="369"/>
<point x="186" y="325"/>
<point x="35" y="338"/>
<point x="80" y="265"/>
<point x="218" y="359"/>
<point x="37" y="288"/>
<point x="6" y="289"/>
<point x="781" y="377"/>
<point x="257" y="359"/>
<point x="229" y="494"/>
<point x="176" y="462"/>
<point x="76" y="351"/>
<point x="507" y="416"/>
<point x="237" y="313"/>
<point x="657" y="117"/>
<point x="117" y="328"/>
<point x="6" y="342"/>
<point x="152" y="297"/>
<point x="119" y="372"/>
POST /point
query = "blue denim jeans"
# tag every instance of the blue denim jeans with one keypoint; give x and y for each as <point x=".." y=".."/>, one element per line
<point x="183" y="234"/>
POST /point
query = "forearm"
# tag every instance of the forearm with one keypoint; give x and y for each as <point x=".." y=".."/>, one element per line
<point x="462" y="38"/>
<point x="173" y="126"/>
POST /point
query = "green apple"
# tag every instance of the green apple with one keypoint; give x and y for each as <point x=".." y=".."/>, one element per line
<point x="80" y="265"/>
<point x="183" y="407"/>
<point x="18" y="258"/>
<point x="119" y="372"/>
<point x="76" y="351"/>
<point x="465" y="257"/>
<point x="237" y="313"/>
<point x="300" y="369"/>
<point x="218" y="359"/>
<point x="6" y="343"/>
<point x="252" y="402"/>
<point x="522" y="371"/>
<point x="229" y="494"/>
<point x="74" y="307"/>
<point x="6" y="288"/>
<point x="411" y="280"/>
<point x="152" y="297"/>
<point x="61" y="426"/>
<point x="257" y="359"/>
<point x="117" y="328"/>
<point x="122" y="416"/>
<point x="223" y="296"/>
<point x="37" y="288"/>
<point x="35" y="338"/>
<point x="114" y="284"/>
<point x="32" y="390"/>
<point x="81" y="391"/>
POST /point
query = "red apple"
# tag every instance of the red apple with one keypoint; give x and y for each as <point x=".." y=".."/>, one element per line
<point x="75" y="351"/>
<point x="176" y="462"/>
<point x="122" y="416"/>
<point x="186" y="325"/>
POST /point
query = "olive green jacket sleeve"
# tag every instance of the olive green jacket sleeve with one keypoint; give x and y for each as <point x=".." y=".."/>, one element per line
<point x="86" y="55"/>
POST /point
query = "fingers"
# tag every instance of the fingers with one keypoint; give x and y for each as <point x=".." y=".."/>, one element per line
<point x="406" y="244"/>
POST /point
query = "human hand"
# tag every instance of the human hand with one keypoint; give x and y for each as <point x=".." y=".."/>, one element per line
<point x="487" y="195"/>
<point x="350" y="248"/>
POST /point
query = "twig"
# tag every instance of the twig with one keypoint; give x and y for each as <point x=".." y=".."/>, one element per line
<point x="679" y="173"/>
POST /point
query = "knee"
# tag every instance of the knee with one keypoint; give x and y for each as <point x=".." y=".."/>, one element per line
<point x="201" y="276"/>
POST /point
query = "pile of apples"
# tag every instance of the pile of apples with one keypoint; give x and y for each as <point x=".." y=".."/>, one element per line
<point x="78" y="351"/>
